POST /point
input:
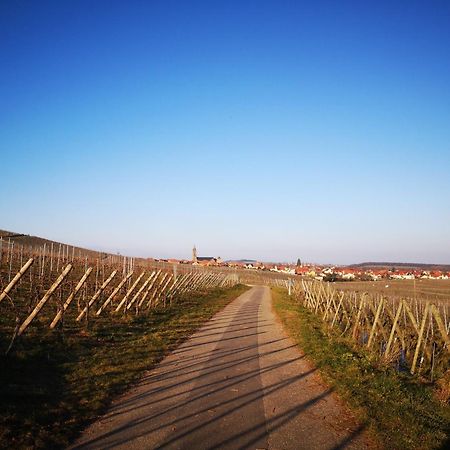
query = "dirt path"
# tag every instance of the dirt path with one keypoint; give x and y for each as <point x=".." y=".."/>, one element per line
<point x="239" y="382"/>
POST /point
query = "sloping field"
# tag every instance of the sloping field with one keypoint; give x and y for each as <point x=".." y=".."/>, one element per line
<point x="26" y="241"/>
<point x="433" y="290"/>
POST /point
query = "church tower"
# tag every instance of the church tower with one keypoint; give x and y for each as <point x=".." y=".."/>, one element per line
<point x="194" y="255"/>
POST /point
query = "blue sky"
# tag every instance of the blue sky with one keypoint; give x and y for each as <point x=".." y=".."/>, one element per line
<point x="266" y="130"/>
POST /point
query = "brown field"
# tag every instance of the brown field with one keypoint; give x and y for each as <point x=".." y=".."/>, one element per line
<point x="433" y="290"/>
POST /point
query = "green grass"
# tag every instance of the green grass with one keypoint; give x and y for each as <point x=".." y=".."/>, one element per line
<point x="402" y="411"/>
<point x="52" y="384"/>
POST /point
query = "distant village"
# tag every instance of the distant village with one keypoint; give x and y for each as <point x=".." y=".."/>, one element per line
<point x="318" y="272"/>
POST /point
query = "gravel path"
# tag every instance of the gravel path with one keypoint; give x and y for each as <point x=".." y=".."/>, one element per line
<point x="239" y="382"/>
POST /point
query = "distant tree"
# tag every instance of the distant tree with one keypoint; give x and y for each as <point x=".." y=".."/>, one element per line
<point x="299" y="263"/>
<point x="332" y="278"/>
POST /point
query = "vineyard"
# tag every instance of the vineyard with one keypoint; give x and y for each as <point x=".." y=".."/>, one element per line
<point x="77" y="327"/>
<point x="59" y="290"/>
<point x="413" y="334"/>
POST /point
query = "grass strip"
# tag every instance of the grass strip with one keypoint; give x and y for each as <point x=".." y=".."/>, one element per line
<point x="403" y="411"/>
<point x="53" y="384"/>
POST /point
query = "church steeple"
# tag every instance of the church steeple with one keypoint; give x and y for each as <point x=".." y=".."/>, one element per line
<point x="194" y="255"/>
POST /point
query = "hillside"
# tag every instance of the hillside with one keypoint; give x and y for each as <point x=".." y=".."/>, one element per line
<point x="36" y="241"/>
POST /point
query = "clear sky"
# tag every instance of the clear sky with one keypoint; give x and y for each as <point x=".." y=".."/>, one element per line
<point x="266" y="130"/>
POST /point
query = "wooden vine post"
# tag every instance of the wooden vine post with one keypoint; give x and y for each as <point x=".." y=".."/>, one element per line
<point x="96" y="295"/>
<point x="114" y="293"/>
<point x="394" y="326"/>
<point x="375" y="322"/>
<point x="441" y="326"/>
<point x="419" y="339"/>
<point x="44" y="299"/>
<point x="71" y="297"/>
<point x="17" y="277"/>
<point x="150" y="302"/>
<point x="130" y="291"/>
<point x="161" y="292"/>
<point x="337" y="310"/>
<point x="169" y="291"/>
<point x="139" y="292"/>
<point x="149" y="288"/>
<point x="358" y="316"/>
